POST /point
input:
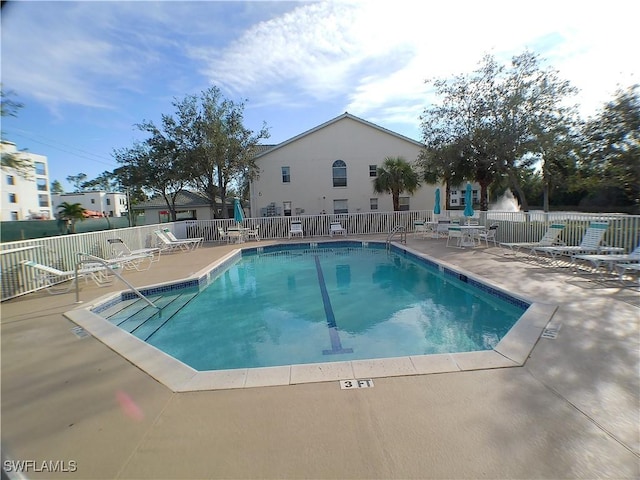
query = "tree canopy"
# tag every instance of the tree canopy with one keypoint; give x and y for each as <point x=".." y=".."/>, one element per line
<point x="396" y="176"/>
<point x="204" y="146"/>
<point x="495" y="122"/>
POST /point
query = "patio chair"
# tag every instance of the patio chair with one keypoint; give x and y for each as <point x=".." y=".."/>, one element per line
<point x="549" y="239"/>
<point x="442" y="229"/>
<point x="455" y="232"/>
<point x="195" y="242"/>
<point x="54" y="280"/>
<point x="296" y="229"/>
<point x="121" y="250"/>
<point x="254" y="233"/>
<point x="590" y="243"/>
<point x="224" y="236"/>
<point x="167" y="245"/>
<point x="335" y="228"/>
<point x="489" y="234"/>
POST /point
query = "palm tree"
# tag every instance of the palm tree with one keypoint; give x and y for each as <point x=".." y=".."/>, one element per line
<point x="395" y="176"/>
<point x="71" y="212"/>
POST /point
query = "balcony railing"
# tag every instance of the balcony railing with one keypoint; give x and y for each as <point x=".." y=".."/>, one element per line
<point x="60" y="251"/>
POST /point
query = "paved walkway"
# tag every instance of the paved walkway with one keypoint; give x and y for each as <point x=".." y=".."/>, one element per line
<point x="571" y="412"/>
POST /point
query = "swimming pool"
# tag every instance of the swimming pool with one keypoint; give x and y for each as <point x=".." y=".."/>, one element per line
<point x="333" y="307"/>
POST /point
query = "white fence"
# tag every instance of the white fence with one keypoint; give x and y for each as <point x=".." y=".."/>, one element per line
<point x="61" y="252"/>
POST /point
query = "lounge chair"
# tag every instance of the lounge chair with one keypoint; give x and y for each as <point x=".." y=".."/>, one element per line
<point x="121" y="250"/>
<point x="549" y="239"/>
<point x="165" y="244"/>
<point x="590" y="243"/>
<point x="296" y="229"/>
<point x="335" y="228"/>
<point x="631" y="267"/>
<point x="196" y="241"/>
<point x="54" y="280"/>
<point x="611" y="260"/>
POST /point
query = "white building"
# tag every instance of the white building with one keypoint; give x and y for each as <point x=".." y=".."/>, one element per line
<point x="25" y="198"/>
<point x="330" y="169"/>
<point x="109" y="204"/>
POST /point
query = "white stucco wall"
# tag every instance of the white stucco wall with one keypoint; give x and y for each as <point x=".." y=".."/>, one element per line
<point x="114" y="204"/>
<point x="25" y="198"/>
<point x="310" y="158"/>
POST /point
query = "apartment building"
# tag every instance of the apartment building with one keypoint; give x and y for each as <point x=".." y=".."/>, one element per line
<point x="97" y="203"/>
<point x="330" y="169"/>
<point x="25" y="194"/>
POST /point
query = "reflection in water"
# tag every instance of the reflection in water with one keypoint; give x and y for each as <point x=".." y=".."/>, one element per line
<point x="343" y="276"/>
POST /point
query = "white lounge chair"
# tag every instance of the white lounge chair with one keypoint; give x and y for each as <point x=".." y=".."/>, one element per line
<point x="196" y="241"/>
<point x="335" y="228"/>
<point x="631" y="267"/>
<point x="296" y="229"/>
<point x="611" y="259"/>
<point x="101" y="272"/>
<point x="121" y="250"/>
<point x="168" y="245"/>
<point x="549" y="239"/>
<point x="590" y="243"/>
<point x="54" y="280"/>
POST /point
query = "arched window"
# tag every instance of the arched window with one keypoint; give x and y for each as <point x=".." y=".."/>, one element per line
<point x="339" y="174"/>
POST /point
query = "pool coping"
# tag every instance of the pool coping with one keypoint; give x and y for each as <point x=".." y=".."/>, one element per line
<point x="512" y="351"/>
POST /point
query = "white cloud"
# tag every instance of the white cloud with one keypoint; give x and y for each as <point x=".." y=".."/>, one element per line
<point x="377" y="55"/>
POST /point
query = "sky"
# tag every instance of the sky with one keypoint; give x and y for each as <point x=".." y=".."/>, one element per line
<point x="87" y="72"/>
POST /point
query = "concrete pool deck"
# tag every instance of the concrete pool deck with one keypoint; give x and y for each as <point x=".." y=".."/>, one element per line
<point x="572" y="410"/>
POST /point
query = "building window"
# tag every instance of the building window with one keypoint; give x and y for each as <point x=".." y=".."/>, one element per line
<point x="454" y="201"/>
<point x="11" y="180"/>
<point x="14" y="215"/>
<point x="373" y="170"/>
<point x="286" y="174"/>
<point x="13" y="198"/>
<point x="41" y="184"/>
<point x="43" y="200"/>
<point x="40" y="170"/>
<point x="339" y="174"/>
<point x="404" y="204"/>
<point x="340" y="206"/>
<point x="373" y="204"/>
<point x="93" y="200"/>
<point x="108" y="201"/>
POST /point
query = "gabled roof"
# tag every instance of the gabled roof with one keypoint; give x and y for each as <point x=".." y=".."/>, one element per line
<point x="332" y="121"/>
<point x="184" y="199"/>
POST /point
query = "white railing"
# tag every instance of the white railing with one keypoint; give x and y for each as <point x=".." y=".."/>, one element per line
<point x="60" y="251"/>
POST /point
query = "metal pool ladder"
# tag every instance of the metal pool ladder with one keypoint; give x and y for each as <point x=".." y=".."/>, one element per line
<point x="397" y="230"/>
<point x="111" y="266"/>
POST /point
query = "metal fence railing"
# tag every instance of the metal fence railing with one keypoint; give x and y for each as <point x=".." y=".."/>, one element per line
<point x="61" y="251"/>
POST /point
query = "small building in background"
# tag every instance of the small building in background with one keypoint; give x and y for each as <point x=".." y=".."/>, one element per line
<point x="97" y="203"/>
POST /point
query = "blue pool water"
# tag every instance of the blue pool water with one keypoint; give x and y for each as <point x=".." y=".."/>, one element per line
<point x="322" y="304"/>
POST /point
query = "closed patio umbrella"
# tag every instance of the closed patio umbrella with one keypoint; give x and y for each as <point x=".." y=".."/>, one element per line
<point x="468" y="203"/>
<point x="436" y="207"/>
<point x="238" y="214"/>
